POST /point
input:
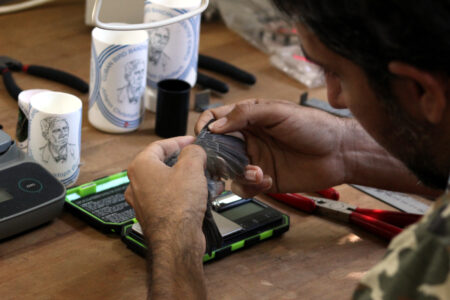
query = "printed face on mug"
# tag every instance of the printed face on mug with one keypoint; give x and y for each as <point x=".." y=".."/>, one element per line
<point x="173" y="49"/>
<point x="54" y="133"/>
<point x="57" y="148"/>
<point x="131" y="92"/>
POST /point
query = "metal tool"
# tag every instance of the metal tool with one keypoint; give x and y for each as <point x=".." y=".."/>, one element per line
<point x="202" y="101"/>
<point x="386" y="224"/>
<point x="325" y="106"/>
<point x="401" y="201"/>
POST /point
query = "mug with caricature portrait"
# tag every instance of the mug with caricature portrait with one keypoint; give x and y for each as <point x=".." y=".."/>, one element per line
<point x="117" y="79"/>
<point x="54" y="133"/>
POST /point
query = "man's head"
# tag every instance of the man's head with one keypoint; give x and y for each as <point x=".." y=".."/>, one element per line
<point x="134" y="72"/>
<point x="159" y="38"/>
<point x="388" y="62"/>
<point x="55" y="130"/>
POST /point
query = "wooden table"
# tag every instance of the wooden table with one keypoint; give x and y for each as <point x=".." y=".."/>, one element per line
<point x="67" y="259"/>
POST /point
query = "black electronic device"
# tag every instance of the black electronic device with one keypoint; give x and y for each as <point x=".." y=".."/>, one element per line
<point x="241" y="222"/>
<point x="29" y="194"/>
<point x="248" y="213"/>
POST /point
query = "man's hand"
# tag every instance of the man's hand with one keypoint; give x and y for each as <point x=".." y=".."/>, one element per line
<point x="302" y="149"/>
<point x="164" y="197"/>
<point x="170" y="204"/>
<point x="295" y="148"/>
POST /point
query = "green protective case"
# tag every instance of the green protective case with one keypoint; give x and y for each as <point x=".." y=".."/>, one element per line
<point x="136" y="243"/>
<point x="90" y="188"/>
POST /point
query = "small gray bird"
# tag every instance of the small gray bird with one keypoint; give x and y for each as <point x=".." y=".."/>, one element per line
<point x="226" y="159"/>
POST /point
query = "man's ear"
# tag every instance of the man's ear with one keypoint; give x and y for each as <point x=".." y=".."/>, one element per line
<point x="431" y="93"/>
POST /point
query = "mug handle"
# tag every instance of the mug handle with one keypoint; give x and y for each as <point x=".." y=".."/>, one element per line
<point x="24" y="113"/>
<point x="24" y="105"/>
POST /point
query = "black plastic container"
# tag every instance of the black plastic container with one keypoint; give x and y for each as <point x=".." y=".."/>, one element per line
<point x="172" y="108"/>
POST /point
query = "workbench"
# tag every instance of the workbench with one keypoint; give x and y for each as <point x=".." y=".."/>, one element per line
<point x="68" y="259"/>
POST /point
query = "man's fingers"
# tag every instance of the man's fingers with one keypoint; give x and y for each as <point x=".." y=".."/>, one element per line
<point x="192" y="158"/>
<point x="253" y="183"/>
<point x="129" y="195"/>
<point x="251" y="190"/>
<point x="252" y="174"/>
<point x="162" y="149"/>
<point x="262" y="113"/>
<point x="153" y="157"/>
<point x="215" y="113"/>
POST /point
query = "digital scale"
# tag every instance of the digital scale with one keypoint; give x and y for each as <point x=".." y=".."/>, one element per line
<point x="29" y="194"/>
<point x="241" y="222"/>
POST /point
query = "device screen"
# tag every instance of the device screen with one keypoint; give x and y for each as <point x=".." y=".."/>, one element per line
<point x="5" y="196"/>
<point x="242" y="211"/>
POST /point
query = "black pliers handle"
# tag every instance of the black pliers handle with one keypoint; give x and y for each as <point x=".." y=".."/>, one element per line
<point x="8" y="64"/>
<point x="224" y="68"/>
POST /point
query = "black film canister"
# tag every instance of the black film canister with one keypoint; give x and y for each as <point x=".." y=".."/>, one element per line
<point x="172" y="107"/>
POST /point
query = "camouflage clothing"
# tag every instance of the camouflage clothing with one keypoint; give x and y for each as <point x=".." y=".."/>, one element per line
<point x="417" y="263"/>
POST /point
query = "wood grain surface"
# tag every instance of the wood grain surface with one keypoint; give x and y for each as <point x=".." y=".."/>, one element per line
<point x="67" y="259"/>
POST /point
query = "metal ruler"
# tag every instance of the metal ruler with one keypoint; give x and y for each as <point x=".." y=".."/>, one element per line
<point x="401" y="201"/>
<point x="325" y="106"/>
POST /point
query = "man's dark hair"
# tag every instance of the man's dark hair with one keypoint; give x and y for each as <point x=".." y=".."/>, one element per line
<point x="371" y="33"/>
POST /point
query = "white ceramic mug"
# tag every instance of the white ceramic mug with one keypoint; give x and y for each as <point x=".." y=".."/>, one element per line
<point x="117" y="80"/>
<point x="24" y="96"/>
<point x="54" y="133"/>
<point x="173" y="49"/>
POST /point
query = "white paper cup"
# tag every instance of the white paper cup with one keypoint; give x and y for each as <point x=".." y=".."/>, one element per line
<point x="54" y="133"/>
<point x="117" y="79"/>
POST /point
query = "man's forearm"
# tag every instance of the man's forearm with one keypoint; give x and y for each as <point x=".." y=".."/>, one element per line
<point x="368" y="163"/>
<point x="176" y="268"/>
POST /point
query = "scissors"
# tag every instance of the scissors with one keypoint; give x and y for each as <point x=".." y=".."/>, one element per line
<point x="384" y="223"/>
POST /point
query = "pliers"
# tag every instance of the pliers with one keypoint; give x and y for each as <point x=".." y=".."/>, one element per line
<point x="384" y="223"/>
<point x="8" y="64"/>
<point x="224" y="68"/>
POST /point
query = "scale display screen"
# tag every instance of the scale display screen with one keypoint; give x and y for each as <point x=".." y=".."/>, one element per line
<point x="240" y="211"/>
<point x="5" y="196"/>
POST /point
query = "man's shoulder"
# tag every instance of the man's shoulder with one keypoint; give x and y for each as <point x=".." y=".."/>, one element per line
<point x="45" y="153"/>
<point x="72" y="148"/>
<point x="417" y="263"/>
<point x="122" y="93"/>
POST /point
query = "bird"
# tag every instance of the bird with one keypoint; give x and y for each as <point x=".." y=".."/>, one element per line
<point x="226" y="158"/>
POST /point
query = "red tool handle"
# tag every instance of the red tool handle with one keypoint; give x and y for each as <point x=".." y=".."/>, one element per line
<point x="375" y="226"/>
<point x="329" y="193"/>
<point x="395" y="218"/>
<point x="298" y="201"/>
